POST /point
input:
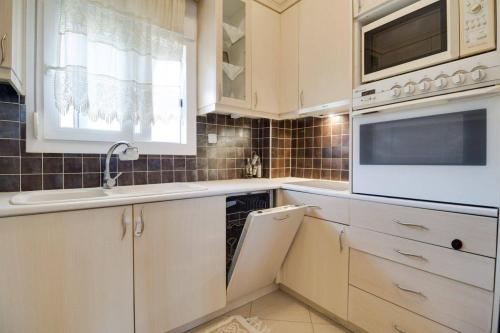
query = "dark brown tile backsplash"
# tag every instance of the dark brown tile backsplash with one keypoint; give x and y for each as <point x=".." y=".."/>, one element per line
<point x="309" y="147"/>
<point x="320" y="148"/>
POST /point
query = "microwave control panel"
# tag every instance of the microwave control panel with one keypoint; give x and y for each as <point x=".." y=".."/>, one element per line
<point x="477" y="26"/>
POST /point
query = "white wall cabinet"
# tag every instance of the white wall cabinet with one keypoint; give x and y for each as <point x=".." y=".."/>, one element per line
<point x="316" y="266"/>
<point x="238" y="58"/>
<point x="325" y="54"/>
<point x="179" y="257"/>
<point x="265" y="59"/>
<point x="289" y="60"/>
<point x="67" y="272"/>
<point x="12" y="39"/>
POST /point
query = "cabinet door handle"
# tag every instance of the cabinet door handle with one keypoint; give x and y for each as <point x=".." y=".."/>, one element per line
<point x="411" y="255"/>
<point x="281" y="218"/>
<point x="397" y="329"/>
<point x="219" y="92"/>
<point x="2" y="46"/>
<point x="125" y="222"/>
<point x="411" y="225"/>
<point x="302" y="98"/>
<point x="415" y="292"/>
<point x="256" y="98"/>
<point x="341" y="236"/>
<point x="139" y="224"/>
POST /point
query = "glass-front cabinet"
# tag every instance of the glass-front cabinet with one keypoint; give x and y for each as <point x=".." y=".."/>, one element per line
<point x="235" y="84"/>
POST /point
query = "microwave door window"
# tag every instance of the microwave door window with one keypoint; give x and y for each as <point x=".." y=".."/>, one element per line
<point x="448" y="139"/>
<point x="417" y="35"/>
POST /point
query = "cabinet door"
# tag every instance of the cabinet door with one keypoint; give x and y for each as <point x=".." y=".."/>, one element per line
<point x="325" y="70"/>
<point x="5" y="33"/>
<point x="180" y="262"/>
<point x="289" y="60"/>
<point x="316" y="266"/>
<point x="67" y="272"/>
<point x="265" y="58"/>
<point x="234" y="54"/>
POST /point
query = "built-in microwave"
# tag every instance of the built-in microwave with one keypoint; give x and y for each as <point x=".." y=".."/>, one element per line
<point x="443" y="153"/>
<point x="426" y="33"/>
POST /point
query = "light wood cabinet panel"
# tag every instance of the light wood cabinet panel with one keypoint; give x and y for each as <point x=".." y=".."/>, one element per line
<point x="12" y="37"/>
<point x="289" y="64"/>
<point x="265" y="58"/>
<point x="376" y="315"/>
<point x="67" y="272"/>
<point x="325" y="52"/>
<point x="321" y="206"/>
<point x="180" y="272"/>
<point x="316" y="266"/>
<point x="454" y="304"/>
<point x="461" y="266"/>
<point x="477" y="233"/>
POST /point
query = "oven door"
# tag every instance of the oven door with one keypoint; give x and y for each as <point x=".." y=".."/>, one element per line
<point x="448" y="153"/>
<point x="423" y="34"/>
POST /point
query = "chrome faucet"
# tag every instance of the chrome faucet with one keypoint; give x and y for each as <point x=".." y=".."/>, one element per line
<point x="128" y="154"/>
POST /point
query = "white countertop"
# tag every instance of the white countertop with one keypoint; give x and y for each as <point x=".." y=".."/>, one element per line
<point x="228" y="187"/>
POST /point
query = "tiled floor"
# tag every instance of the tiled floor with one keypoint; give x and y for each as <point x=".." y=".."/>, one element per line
<point x="282" y="314"/>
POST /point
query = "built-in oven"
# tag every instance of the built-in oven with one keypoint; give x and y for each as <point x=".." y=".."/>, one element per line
<point x="443" y="153"/>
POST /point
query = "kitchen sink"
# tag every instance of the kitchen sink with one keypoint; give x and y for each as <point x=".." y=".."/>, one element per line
<point x="84" y="194"/>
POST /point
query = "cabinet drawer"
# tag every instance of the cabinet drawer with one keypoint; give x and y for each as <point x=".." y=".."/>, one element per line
<point x="457" y="305"/>
<point x="461" y="266"/>
<point x="326" y="208"/>
<point x="477" y="233"/>
<point x="376" y="315"/>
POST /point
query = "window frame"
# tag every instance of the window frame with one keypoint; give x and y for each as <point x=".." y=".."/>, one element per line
<point x="36" y="118"/>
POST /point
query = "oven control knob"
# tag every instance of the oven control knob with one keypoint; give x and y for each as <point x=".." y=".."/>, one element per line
<point x="441" y="82"/>
<point x="409" y="88"/>
<point x="478" y="75"/>
<point x="396" y="91"/>
<point x="458" y="79"/>
<point x="424" y="85"/>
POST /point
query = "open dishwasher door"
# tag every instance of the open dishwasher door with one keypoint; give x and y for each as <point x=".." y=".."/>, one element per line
<point x="262" y="247"/>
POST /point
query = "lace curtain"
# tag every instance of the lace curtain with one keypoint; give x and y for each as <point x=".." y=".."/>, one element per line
<point x="114" y="59"/>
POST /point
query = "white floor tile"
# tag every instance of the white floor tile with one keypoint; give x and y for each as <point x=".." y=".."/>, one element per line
<point x="242" y="311"/>
<point x="280" y="306"/>
<point x="324" y="328"/>
<point x="288" y="327"/>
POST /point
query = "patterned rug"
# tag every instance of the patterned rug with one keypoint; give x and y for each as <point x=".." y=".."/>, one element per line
<point x="238" y="324"/>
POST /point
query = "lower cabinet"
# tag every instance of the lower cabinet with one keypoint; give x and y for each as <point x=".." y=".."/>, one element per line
<point x="78" y="271"/>
<point x="179" y="258"/>
<point x="316" y="266"/>
<point x="67" y="272"/>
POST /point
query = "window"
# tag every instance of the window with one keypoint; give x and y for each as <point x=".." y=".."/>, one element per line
<point x="108" y="75"/>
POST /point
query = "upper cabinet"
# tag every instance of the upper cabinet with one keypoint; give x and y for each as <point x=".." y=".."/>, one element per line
<point x="265" y="58"/>
<point x="238" y="61"/>
<point x="289" y="64"/>
<point x="12" y="32"/>
<point x="325" y="56"/>
<point x="254" y="61"/>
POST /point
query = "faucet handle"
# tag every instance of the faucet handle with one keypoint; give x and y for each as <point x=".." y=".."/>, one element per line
<point x="111" y="181"/>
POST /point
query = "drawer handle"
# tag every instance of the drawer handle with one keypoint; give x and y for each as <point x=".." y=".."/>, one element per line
<point x="415" y="292"/>
<point x="397" y="329"/>
<point x="411" y="225"/>
<point x="281" y="218"/>
<point x="341" y="244"/>
<point x="2" y="46"/>
<point x="411" y="255"/>
<point x="312" y="206"/>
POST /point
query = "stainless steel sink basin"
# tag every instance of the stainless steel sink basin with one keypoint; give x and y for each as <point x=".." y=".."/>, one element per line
<point x="85" y="194"/>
